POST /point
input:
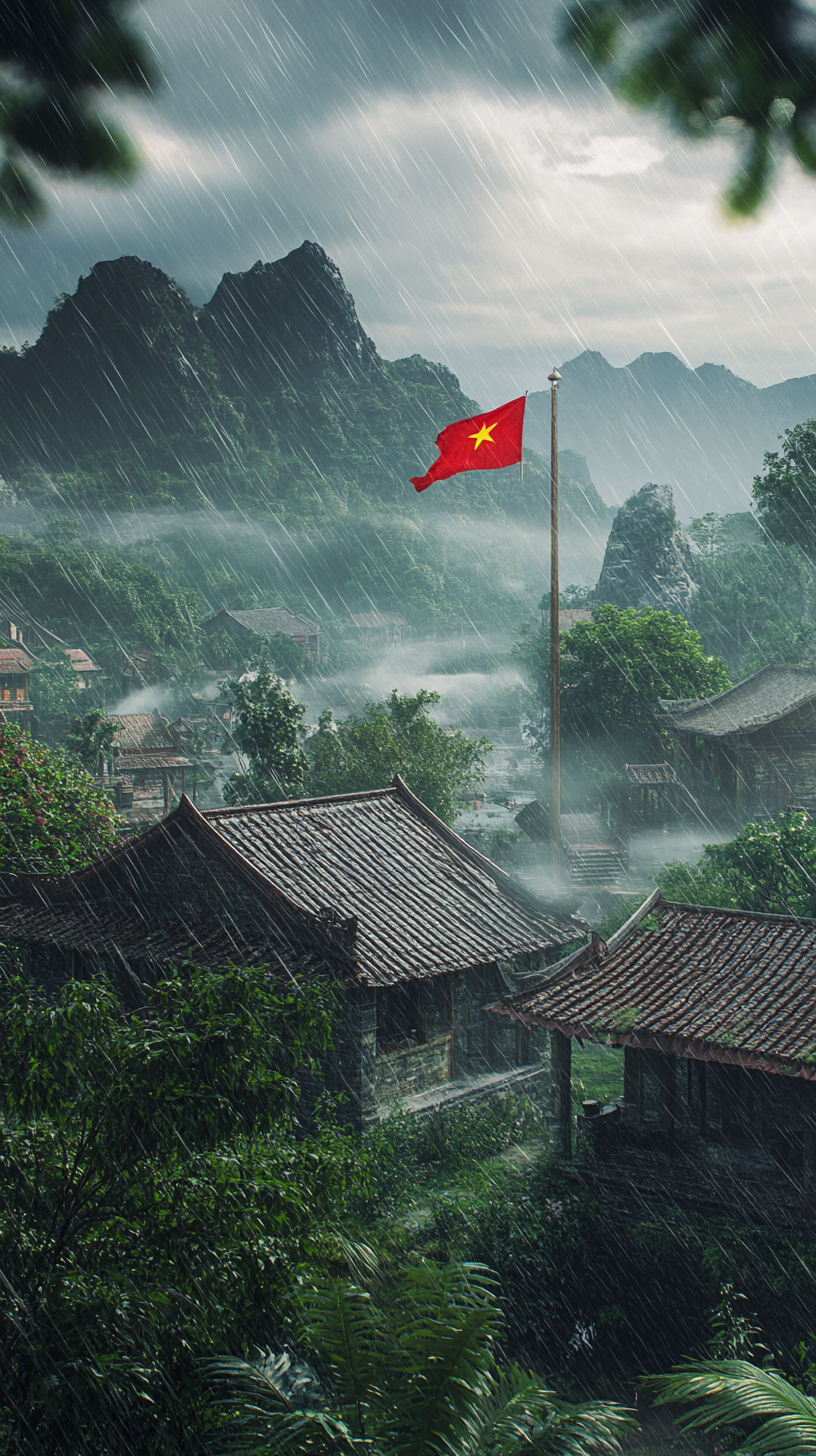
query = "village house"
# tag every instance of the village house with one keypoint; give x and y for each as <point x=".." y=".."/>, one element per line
<point x="371" y="890"/>
<point x="15" y="704"/>
<point x="267" y="622"/>
<point x="147" y="762"/>
<point x="19" y="628"/>
<point x="752" y="749"/>
<point x="715" y="1011"/>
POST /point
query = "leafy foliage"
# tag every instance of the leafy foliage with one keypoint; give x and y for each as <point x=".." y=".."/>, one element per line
<point x="786" y="493"/>
<point x="54" y="687"/>
<point x="267" y="729"/>
<point x="91" y="738"/>
<point x="112" y="597"/>
<point x="54" y="817"/>
<point x="770" y="866"/>
<point x="403" y="1148"/>
<point x="734" y="69"/>
<point x="614" y="670"/>
<point x="416" y="1374"/>
<point x="734" y="1393"/>
<point x="757" y="602"/>
<point x="394" y="736"/>
<point x="57" y="57"/>
<point x="158" y="1193"/>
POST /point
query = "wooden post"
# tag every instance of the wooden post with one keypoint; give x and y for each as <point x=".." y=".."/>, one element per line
<point x="561" y="1067"/>
<point x="555" y="625"/>
<point x="808" y="1169"/>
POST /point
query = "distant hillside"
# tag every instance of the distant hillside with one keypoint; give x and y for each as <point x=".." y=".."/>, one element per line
<point x="271" y="397"/>
<point x="702" y="431"/>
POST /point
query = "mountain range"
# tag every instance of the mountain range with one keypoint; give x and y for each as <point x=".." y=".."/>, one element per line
<point x="702" y="431"/>
<point x="270" y="397"/>
<point x="273" y="396"/>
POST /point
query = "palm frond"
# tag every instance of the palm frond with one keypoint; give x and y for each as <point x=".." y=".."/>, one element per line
<point x="263" y="1416"/>
<point x="340" y="1324"/>
<point x="727" y="1392"/>
<point x="447" y="1324"/>
<point x="523" y="1414"/>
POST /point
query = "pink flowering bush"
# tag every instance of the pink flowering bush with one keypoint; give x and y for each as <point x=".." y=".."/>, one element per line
<point x="53" y="817"/>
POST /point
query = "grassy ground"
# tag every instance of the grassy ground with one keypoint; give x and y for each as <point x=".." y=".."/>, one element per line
<point x="597" y="1072"/>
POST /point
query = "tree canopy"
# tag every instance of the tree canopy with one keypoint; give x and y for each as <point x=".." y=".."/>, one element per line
<point x="713" y="69"/>
<point x="54" y="817"/>
<point x="770" y="866"/>
<point x="267" y="730"/>
<point x="786" y="493"/>
<point x="615" y="668"/>
<point x="160" y="1196"/>
<point x="397" y="735"/>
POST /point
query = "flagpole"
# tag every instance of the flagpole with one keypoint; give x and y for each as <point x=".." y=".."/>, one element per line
<point x="555" y="644"/>
<point x="521" y="461"/>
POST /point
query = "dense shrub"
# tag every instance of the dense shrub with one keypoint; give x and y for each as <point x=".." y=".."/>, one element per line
<point x="405" y="1147"/>
<point x="603" y="1289"/>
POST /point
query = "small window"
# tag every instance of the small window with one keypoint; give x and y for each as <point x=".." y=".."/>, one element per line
<point x="401" y="1020"/>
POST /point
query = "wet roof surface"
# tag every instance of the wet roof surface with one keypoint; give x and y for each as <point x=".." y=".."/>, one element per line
<point x="168" y="939"/>
<point x="771" y="693"/>
<point x="142" y="732"/>
<point x="650" y="773"/>
<point x="718" y="978"/>
<point x="424" y="902"/>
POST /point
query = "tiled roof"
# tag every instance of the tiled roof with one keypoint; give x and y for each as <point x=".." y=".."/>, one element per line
<point x="133" y="762"/>
<point x="142" y="732"/>
<point x="715" y="985"/>
<point x="15" y="660"/>
<point x="80" y="659"/>
<point x="169" y="939"/>
<point x="650" y="773"/>
<point x="767" y="695"/>
<point x="266" y="620"/>
<point x="424" y="901"/>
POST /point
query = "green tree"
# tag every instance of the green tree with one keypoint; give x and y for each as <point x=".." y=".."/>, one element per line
<point x="91" y="738"/>
<point x="58" y="56"/>
<point x="394" y="736"/>
<point x="54" y="817"/>
<point x="779" y="1417"/>
<point x="160" y="1198"/>
<point x="267" y="730"/>
<point x="708" y="533"/>
<point x="770" y="866"/>
<point x="786" y="494"/>
<point x="757" y="602"/>
<point x="54" y="688"/>
<point x="614" y="670"/>
<point x="414" y="1374"/>
<point x="736" y="69"/>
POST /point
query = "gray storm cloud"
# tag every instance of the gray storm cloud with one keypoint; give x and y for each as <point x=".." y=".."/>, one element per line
<point x="488" y="205"/>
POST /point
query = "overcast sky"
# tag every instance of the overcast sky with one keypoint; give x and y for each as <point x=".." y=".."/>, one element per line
<point x="488" y="205"/>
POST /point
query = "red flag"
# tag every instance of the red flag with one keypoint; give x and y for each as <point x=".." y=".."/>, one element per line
<point x="485" y="442"/>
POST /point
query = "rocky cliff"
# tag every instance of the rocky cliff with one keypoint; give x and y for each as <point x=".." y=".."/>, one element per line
<point x="648" y="560"/>
<point x="120" y="362"/>
<point x="280" y="321"/>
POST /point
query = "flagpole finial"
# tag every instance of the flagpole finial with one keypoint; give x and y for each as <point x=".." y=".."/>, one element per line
<point x="554" y="377"/>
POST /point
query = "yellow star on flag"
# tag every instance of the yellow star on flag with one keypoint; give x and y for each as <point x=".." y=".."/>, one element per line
<point x="485" y="433"/>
